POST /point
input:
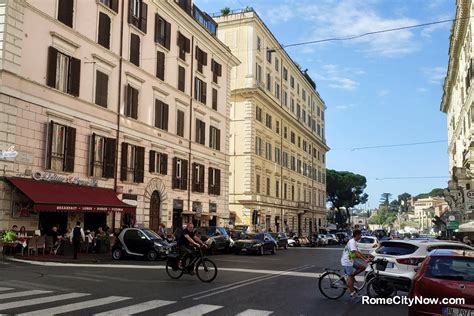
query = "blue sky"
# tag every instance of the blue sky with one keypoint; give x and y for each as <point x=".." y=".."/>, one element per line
<point x="379" y="90"/>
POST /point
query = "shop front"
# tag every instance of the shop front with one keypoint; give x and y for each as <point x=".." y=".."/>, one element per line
<point x="60" y="204"/>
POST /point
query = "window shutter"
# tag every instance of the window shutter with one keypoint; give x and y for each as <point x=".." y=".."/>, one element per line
<point x="174" y="181"/>
<point x="101" y="89"/>
<point x="194" y="180"/>
<point x="217" y="190"/>
<point x="219" y="69"/>
<point x="203" y="58"/>
<point x="165" y="116"/>
<point x="201" y="175"/>
<point x="75" y="76"/>
<point x="209" y="180"/>
<point x="143" y="16"/>
<point x="104" y="30"/>
<point x="49" y="149"/>
<point x="152" y="161"/>
<point x="214" y="99"/>
<point x="167" y="35"/>
<point x="204" y="92"/>
<point x="184" y="177"/>
<point x="135" y="49"/>
<point x="139" y="171"/>
<point x="51" y="70"/>
<point x="203" y="132"/>
<point x="181" y="78"/>
<point x="65" y="11"/>
<point x="180" y="123"/>
<point x="70" y="153"/>
<point x="130" y="11"/>
<point x="135" y="103"/>
<point x="218" y="139"/>
<point x="109" y="159"/>
<point x="123" y="162"/>
<point x="160" y="65"/>
<point x="187" y="45"/>
<point x="164" y="164"/>
<point x="157" y="113"/>
<point x="114" y="5"/>
<point x="92" y="155"/>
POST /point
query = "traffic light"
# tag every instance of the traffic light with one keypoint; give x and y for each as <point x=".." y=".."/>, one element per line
<point x="254" y="217"/>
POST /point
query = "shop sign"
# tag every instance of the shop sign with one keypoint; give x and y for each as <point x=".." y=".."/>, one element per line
<point x="9" y="152"/>
<point x="77" y="208"/>
<point x="453" y="225"/>
<point x="47" y="176"/>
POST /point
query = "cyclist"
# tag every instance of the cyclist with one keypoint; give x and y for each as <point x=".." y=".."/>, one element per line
<point x="185" y="243"/>
<point x="353" y="261"/>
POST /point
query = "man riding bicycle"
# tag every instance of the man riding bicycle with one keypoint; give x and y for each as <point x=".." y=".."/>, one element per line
<point x="186" y="241"/>
<point x="353" y="261"/>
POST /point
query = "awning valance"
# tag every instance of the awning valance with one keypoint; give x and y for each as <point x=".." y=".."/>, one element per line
<point x="63" y="197"/>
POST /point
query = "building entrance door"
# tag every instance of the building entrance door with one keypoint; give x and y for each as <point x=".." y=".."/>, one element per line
<point x="155" y="211"/>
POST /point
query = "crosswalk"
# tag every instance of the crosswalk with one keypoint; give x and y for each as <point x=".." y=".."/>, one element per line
<point x="40" y="302"/>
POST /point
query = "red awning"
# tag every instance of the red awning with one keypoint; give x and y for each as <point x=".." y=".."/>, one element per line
<point x="63" y="197"/>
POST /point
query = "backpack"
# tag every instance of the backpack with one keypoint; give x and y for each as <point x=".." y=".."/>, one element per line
<point x="76" y="233"/>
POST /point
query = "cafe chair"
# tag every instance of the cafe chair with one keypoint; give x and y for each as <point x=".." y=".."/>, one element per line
<point x="32" y="245"/>
<point x="41" y="244"/>
<point x="2" y="249"/>
<point x="48" y="243"/>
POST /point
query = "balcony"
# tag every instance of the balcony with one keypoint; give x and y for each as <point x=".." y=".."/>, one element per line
<point x="201" y="17"/>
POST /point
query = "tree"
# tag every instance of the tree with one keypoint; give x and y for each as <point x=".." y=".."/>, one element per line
<point x="344" y="191"/>
<point x="225" y="11"/>
<point x="384" y="217"/>
<point x="394" y="206"/>
<point x="437" y="192"/>
<point x="404" y="197"/>
<point x="385" y="199"/>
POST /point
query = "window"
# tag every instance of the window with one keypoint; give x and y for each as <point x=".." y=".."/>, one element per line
<point x="200" y="93"/>
<point x="298" y="111"/>
<point x="216" y="69"/>
<point x="201" y="58"/>
<point x="277" y="189"/>
<point x="292" y="82"/>
<point x="215" y="138"/>
<point x="319" y="129"/>
<point x="292" y="192"/>
<point x="180" y="123"/>
<point x="277" y="90"/>
<point x="258" y="73"/>
<point x="185" y="5"/>
<point x="133" y="163"/>
<point x="298" y="166"/>
<point x="64" y="72"/>
<point x="158" y="162"/>
<point x="268" y="151"/>
<point x="180" y="174"/>
<point x="277" y="155"/>
<point x="181" y="78"/>
<point x="258" y="146"/>
<point x="268" y="120"/>
<point x="322" y="115"/>
<point x="305" y="145"/>
<point x="258" y="112"/>
<point x="103" y="37"/>
<point x="135" y="49"/>
<point x="102" y="158"/>
<point x="285" y="132"/>
<point x="293" y="163"/>
<point x="305" y="169"/>
<point x="303" y="115"/>
<point x="285" y="191"/>
<point x="299" y="141"/>
<point x="292" y="137"/>
<point x="214" y="99"/>
<point x="160" y="65"/>
<point x="298" y="88"/>
<point x="269" y="55"/>
<point x="285" y="74"/>
<point x="278" y="127"/>
<point x="137" y="14"/>
<point x="269" y="82"/>
<point x="285" y="159"/>
<point x="200" y="132"/>
<point x="259" y="43"/>
<point x="268" y="187"/>
<point x="61" y="148"/>
<point x="112" y="4"/>
<point x="198" y="178"/>
<point x="319" y="111"/>
<point x="214" y="181"/>
<point x="162" y="32"/>
<point x="131" y="107"/>
<point x="101" y="88"/>
<point x="161" y="115"/>
<point x="184" y="45"/>
<point x="277" y="64"/>
<point x="304" y="95"/>
<point x="285" y="98"/>
<point x="66" y="11"/>
<point x="257" y="183"/>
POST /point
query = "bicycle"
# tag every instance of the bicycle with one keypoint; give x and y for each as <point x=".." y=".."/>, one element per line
<point x="206" y="269"/>
<point x="333" y="285"/>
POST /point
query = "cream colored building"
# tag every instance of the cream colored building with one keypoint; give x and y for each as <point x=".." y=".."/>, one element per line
<point x="424" y="211"/>
<point x="277" y="142"/>
<point x="131" y="96"/>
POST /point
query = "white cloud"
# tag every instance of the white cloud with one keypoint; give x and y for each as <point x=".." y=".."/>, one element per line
<point x="280" y="14"/>
<point x="435" y="74"/>
<point x="383" y="92"/>
<point x="422" y="90"/>
<point x="345" y="107"/>
<point x="338" y="77"/>
<point x="427" y="31"/>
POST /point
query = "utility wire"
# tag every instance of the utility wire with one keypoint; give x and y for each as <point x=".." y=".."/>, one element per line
<point x="411" y="178"/>
<point x="394" y="145"/>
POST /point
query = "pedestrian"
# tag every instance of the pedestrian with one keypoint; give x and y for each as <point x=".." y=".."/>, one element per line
<point x="466" y="240"/>
<point x="162" y="230"/>
<point x="76" y="237"/>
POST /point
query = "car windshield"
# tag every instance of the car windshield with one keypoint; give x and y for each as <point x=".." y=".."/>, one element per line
<point x="461" y="269"/>
<point x="396" y="248"/>
<point x="151" y="234"/>
<point x="366" y="240"/>
<point x="257" y="237"/>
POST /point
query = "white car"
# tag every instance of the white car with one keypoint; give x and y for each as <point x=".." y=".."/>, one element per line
<point x="367" y="244"/>
<point x="404" y="256"/>
<point x="332" y="239"/>
<point x="324" y="238"/>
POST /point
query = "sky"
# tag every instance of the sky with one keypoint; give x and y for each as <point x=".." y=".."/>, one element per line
<point x="381" y="89"/>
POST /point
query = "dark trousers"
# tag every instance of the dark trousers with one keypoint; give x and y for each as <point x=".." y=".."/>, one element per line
<point x="76" y="243"/>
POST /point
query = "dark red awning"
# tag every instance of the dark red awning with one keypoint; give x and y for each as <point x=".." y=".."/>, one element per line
<point x="63" y="197"/>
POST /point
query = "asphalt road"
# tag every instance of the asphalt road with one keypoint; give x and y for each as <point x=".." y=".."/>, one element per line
<point x="281" y="284"/>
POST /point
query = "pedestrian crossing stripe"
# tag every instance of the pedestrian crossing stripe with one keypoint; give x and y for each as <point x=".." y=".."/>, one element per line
<point x="196" y="310"/>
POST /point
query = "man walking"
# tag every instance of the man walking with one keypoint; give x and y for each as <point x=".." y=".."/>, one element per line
<point x="76" y="237"/>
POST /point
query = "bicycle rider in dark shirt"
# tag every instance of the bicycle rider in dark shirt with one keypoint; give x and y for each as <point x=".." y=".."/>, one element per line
<point x="186" y="242"/>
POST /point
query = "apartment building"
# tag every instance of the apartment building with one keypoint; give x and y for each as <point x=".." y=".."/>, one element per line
<point x="117" y="111"/>
<point x="277" y="139"/>
<point x="424" y="211"/>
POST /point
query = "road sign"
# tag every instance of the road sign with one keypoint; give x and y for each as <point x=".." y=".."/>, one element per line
<point x="469" y="200"/>
<point x="453" y="225"/>
<point x="470" y="194"/>
<point x="452" y="218"/>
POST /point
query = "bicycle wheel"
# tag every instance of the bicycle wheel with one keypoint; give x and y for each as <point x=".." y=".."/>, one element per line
<point x="377" y="287"/>
<point x="332" y="285"/>
<point x="206" y="270"/>
<point x="172" y="268"/>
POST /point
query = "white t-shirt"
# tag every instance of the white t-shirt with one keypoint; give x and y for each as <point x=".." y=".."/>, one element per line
<point x="347" y="258"/>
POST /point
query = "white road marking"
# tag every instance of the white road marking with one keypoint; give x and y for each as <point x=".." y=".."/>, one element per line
<point x="254" y="312"/>
<point x="135" y="309"/>
<point x="5" y="288"/>
<point x="75" y="306"/>
<point x="41" y="300"/>
<point x="197" y="310"/>
<point x="74" y="278"/>
<point x="21" y="294"/>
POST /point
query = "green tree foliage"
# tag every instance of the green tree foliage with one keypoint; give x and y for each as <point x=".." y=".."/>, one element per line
<point x="438" y="192"/>
<point x="383" y="217"/>
<point x="385" y="199"/>
<point x="404" y="197"/>
<point x="345" y="190"/>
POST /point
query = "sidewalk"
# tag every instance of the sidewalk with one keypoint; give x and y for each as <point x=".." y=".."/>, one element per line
<point x="81" y="258"/>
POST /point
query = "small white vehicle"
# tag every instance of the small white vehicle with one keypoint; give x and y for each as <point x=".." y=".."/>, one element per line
<point x="367" y="244"/>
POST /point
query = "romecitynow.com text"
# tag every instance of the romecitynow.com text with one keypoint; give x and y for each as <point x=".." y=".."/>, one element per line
<point x="418" y="300"/>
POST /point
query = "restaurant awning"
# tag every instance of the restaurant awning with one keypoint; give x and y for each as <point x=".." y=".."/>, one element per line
<point x="64" y="197"/>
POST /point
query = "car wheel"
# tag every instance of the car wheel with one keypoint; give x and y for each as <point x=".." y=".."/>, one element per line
<point x="117" y="254"/>
<point x="261" y="251"/>
<point x="274" y="250"/>
<point x="151" y="255"/>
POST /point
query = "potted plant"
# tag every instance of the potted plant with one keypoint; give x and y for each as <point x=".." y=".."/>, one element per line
<point x="9" y="236"/>
<point x="225" y="11"/>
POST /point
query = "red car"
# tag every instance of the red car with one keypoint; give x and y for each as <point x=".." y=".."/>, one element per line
<point x="443" y="274"/>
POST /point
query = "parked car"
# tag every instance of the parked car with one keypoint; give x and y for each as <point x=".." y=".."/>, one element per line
<point x="256" y="243"/>
<point x="343" y="238"/>
<point x="281" y="239"/>
<point x="324" y="238"/>
<point x="216" y="238"/>
<point x="404" y="256"/>
<point x="367" y="244"/>
<point x="445" y="273"/>
<point x="332" y="239"/>
<point x="291" y="242"/>
<point x="144" y="243"/>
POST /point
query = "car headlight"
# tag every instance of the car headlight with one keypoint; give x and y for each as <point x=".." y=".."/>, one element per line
<point x="256" y="245"/>
<point x="157" y="244"/>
